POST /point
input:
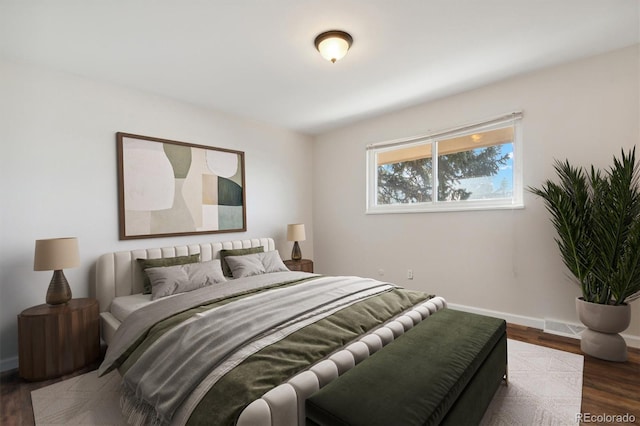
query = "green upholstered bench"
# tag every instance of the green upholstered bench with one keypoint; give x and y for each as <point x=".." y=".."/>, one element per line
<point x="445" y="370"/>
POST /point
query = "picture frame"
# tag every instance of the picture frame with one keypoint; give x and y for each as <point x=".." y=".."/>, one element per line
<point x="168" y="188"/>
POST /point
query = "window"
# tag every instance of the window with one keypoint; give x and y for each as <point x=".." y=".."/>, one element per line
<point x="474" y="167"/>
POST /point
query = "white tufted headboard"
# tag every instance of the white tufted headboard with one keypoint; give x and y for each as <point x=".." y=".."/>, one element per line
<point x="117" y="274"/>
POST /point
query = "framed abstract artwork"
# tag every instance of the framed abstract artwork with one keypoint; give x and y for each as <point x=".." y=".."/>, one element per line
<point x="169" y="188"/>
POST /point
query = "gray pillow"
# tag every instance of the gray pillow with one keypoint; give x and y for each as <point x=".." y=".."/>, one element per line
<point x="163" y="261"/>
<point x="236" y="252"/>
<point x="273" y="262"/>
<point x="245" y="266"/>
<point x="256" y="264"/>
<point x="169" y="280"/>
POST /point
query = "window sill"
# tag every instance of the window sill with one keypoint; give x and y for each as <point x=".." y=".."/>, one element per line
<point x="442" y="207"/>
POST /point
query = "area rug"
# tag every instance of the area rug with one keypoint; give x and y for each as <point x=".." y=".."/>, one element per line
<point x="545" y="388"/>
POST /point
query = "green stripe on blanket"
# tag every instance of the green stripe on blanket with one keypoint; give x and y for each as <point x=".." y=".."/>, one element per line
<point x="140" y="346"/>
<point x="278" y="362"/>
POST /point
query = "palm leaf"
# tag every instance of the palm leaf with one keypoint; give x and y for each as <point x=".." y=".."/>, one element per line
<point x="596" y="216"/>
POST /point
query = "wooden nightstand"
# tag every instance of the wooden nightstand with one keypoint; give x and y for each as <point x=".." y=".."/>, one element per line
<point x="57" y="339"/>
<point x="304" y="265"/>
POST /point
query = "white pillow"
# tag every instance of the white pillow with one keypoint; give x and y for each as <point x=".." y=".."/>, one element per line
<point x="255" y="264"/>
<point x="169" y="280"/>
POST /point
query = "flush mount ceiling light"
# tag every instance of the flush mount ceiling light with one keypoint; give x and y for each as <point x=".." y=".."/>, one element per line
<point x="333" y="45"/>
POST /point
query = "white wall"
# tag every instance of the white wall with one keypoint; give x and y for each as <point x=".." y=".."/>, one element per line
<point x="58" y="174"/>
<point x="499" y="260"/>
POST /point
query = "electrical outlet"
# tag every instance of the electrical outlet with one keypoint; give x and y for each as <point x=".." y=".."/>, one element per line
<point x="410" y="274"/>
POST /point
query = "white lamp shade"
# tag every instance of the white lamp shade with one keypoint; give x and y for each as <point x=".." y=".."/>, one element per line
<point x="295" y="232"/>
<point x="333" y="49"/>
<point x="55" y="254"/>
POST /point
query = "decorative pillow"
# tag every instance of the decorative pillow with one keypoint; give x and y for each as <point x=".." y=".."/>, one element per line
<point x="236" y="252"/>
<point x="169" y="280"/>
<point x="245" y="266"/>
<point x="255" y="264"/>
<point x="273" y="262"/>
<point x="162" y="262"/>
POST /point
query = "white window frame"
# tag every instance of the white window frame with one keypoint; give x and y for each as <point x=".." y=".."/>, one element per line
<point x="515" y="202"/>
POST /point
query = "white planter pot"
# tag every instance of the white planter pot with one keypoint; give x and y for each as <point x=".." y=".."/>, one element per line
<point x="604" y="322"/>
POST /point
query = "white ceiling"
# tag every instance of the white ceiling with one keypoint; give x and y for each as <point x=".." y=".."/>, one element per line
<point x="256" y="59"/>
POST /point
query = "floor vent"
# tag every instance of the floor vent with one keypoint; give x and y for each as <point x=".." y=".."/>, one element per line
<point x="563" y="329"/>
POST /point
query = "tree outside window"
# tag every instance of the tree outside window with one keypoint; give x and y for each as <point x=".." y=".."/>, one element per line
<point x="477" y="168"/>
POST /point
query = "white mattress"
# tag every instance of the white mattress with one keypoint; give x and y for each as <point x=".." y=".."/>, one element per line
<point x="122" y="306"/>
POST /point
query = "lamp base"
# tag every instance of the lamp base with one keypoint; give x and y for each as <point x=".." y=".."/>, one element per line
<point x="296" y="254"/>
<point x="59" y="291"/>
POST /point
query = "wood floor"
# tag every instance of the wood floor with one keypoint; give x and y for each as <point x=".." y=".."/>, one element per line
<point x="608" y="388"/>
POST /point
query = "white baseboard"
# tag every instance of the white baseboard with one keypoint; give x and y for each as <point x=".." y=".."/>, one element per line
<point x="512" y="318"/>
<point x="632" y="341"/>
<point x="9" y="364"/>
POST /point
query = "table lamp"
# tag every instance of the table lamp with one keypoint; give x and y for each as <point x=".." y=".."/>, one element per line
<point x="295" y="233"/>
<point x="54" y="255"/>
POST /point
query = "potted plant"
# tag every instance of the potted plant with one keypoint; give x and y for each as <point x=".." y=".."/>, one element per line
<point x="596" y="215"/>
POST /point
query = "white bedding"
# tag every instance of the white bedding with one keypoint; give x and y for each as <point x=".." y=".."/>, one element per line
<point x="122" y="306"/>
<point x="119" y="275"/>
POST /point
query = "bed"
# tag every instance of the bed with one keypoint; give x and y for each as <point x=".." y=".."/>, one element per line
<point x="229" y="335"/>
